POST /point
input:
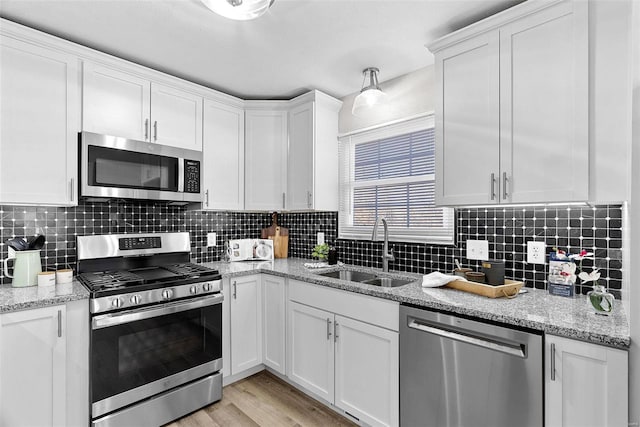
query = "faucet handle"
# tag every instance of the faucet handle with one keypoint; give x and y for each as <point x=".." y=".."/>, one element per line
<point x="390" y="255"/>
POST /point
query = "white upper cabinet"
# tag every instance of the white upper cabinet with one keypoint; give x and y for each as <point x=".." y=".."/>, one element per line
<point x="119" y="103"/>
<point x="223" y="151"/>
<point x="39" y="124"/>
<point x="312" y="165"/>
<point x="265" y="159"/>
<point x="512" y="108"/>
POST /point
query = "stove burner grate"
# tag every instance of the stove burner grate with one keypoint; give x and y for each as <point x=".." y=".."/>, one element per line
<point x="110" y="279"/>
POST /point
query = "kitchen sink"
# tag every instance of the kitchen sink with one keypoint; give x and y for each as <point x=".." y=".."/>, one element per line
<point x="366" y="278"/>
<point x="387" y="282"/>
<point x="349" y="275"/>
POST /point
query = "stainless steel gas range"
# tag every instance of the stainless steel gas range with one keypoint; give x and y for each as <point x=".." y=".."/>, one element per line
<point x="156" y="328"/>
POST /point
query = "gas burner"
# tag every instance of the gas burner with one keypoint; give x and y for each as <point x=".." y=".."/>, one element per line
<point x="110" y="279"/>
<point x="188" y="269"/>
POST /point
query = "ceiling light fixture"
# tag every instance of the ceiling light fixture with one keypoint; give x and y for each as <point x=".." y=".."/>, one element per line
<point x="370" y="95"/>
<point x="240" y="10"/>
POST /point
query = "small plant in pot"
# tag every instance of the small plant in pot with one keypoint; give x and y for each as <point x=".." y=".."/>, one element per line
<point x="321" y="252"/>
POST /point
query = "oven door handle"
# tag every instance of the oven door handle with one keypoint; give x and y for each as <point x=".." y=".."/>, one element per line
<point x="106" y="320"/>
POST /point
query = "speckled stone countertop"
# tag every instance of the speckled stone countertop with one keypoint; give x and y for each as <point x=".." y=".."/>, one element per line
<point x="14" y="299"/>
<point x="536" y="309"/>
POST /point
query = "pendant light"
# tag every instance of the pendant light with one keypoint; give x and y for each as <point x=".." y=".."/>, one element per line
<point x="370" y="95"/>
<point x="239" y="10"/>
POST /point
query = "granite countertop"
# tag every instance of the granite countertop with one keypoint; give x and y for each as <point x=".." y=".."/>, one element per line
<point x="14" y="299"/>
<point x="536" y="309"/>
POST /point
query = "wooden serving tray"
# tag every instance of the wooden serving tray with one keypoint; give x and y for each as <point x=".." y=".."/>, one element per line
<point x="509" y="289"/>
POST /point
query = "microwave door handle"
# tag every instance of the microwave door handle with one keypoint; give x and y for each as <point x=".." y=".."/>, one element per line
<point x="181" y="175"/>
<point x="106" y="320"/>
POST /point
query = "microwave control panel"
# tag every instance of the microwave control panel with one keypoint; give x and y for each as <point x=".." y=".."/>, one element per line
<point x="191" y="176"/>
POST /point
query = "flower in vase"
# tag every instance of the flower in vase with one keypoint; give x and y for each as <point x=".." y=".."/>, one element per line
<point x="582" y="255"/>
<point x="594" y="276"/>
<point x="569" y="272"/>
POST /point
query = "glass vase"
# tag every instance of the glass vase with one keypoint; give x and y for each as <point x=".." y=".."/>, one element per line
<point x="600" y="300"/>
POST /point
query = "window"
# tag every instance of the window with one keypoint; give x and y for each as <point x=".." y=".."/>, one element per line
<point x="390" y="172"/>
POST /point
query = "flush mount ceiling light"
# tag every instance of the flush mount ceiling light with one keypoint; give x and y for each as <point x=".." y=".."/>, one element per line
<point x="370" y="95"/>
<point x="240" y="10"/>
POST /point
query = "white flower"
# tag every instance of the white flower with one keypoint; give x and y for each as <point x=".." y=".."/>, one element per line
<point x="569" y="272"/>
<point x="590" y="277"/>
<point x="582" y="255"/>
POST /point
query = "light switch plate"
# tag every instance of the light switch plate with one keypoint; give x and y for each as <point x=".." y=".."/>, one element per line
<point x="320" y="238"/>
<point x="211" y="239"/>
<point x="478" y="249"/>
<point x="536" y="252"/>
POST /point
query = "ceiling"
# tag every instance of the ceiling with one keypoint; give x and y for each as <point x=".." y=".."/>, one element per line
<point x="296" y="46"/>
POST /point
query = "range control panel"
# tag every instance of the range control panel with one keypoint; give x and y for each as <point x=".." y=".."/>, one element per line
<point x="130" y="243"/>
<point x="191" y="176"/>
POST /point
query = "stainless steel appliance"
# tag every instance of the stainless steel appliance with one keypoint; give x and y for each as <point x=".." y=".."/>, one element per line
<point x="114" y="167"/>
<point x="156" y="328"/>
<point x="460" y="372"/>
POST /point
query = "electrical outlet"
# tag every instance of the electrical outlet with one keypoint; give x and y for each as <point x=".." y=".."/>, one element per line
<point x="536" y="252"/>
<point x="211" y="239"/>
<point x="320" y="238"/>
<point x="478" y="249"/>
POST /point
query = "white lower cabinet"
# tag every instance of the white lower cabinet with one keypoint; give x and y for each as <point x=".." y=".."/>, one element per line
<point x="274" y="322"/>
<point x="351" y="363"/>
<point x="44" y="366"/>
<point x="585" y="384"/>
<point x="245" y="307"/>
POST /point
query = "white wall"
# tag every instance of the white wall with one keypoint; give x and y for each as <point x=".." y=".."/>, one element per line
<point x="408" y="95"/>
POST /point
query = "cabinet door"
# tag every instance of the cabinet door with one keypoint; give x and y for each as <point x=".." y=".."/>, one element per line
<point x="265" y="159"/>
<point x="544" y="106"/>
<point x="38" y="125"/>
<point x="310" y="346"/>
<point x="467" y="122"/>
<point x="115" y="103"/>
<point x="223" y="151"/>
<point x="585" y="384"/>
<point x="32" y="367"/>
<point x="226" y="328"/>
<point x="274" y="314"/>
<point x="367" y="372"/>
<point x="176" y="117"/>
<point x="300" y="164"/>
<point x="246" y="323"/>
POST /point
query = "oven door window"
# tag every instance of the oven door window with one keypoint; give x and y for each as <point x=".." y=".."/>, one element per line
<point x="129" y="355"/>
<point x="109" y="167"/>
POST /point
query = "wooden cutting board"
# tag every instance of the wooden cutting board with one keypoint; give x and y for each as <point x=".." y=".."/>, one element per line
<point x="279" y="235"/>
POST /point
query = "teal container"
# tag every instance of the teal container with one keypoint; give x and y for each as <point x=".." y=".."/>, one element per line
<point x="26" y="267"/>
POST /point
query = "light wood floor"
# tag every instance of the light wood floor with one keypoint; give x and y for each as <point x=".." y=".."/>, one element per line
<point x="263" y="400"/>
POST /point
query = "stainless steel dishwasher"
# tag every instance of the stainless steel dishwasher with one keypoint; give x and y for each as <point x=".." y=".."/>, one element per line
<point x="456" y="372"/>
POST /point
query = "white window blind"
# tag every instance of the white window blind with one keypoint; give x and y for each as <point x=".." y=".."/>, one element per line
<point x="390" y="172"/>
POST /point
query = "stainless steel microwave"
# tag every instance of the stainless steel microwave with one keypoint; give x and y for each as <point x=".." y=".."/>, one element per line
<point x="114" y="167"/>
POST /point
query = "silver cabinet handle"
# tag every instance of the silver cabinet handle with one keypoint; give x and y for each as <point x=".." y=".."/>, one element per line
<point x="155" y="131"/>
<point x="328" y="329"/>
<point x="59" y="323"/>
<point x="206" y="198"/>
<point x="553" y="362"/>
<point x="335" y="331"/>
<point x="72" y="187"/>
<point x="493" y="186"/>
<point x="504" y="186"/>
<point x="146" y="129"/>
<point x="283" y="200"/>
<point x="235" y="290"/>
<point x="309" y="202"/>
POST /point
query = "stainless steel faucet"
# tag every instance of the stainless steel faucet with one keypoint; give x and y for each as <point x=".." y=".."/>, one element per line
<point x="386" y="255"/>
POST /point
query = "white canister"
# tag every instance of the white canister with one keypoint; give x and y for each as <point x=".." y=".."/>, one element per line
<point x="64" y="276"/>
<point x="47" y="278"/>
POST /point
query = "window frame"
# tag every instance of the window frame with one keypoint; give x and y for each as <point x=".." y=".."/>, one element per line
<point x="436" y="235"/>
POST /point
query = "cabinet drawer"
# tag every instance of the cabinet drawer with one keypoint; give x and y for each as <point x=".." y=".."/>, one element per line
<point x="375" y="311"/>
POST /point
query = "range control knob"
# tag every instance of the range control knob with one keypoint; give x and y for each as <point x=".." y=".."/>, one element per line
<point x="167" y="293"/>
<point x="135" y="299"/>
<point x="117" y="302"/>
<point x="206" y="287"/>
<point x="193" y="289"/>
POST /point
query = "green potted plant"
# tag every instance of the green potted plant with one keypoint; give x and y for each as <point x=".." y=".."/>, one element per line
<point x="321" y="252"/>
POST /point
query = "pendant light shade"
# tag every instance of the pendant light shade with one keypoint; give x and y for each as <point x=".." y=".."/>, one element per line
<point x="370" y="95"/>
<point x="240" y="10"/>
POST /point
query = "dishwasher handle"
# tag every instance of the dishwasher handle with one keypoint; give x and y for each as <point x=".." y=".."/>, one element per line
<point x="512" y="350"/>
